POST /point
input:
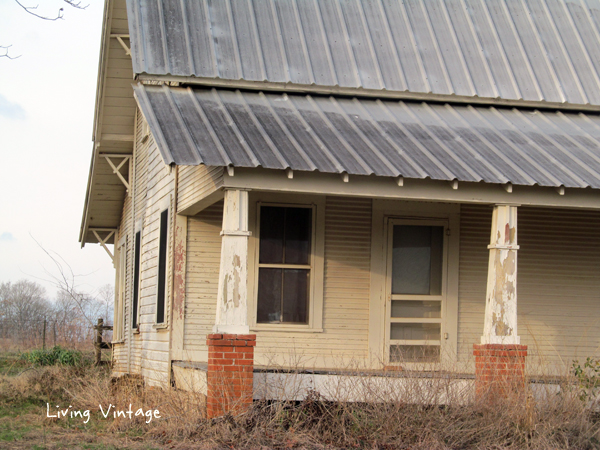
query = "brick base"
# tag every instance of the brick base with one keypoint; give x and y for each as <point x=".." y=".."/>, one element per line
<point x="499" y="370"/>
<point x="230" y="373"/>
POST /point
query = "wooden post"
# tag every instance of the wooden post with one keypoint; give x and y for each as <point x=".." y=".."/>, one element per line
<point x="98" y="343"/>
<point x="54" y="331"/>
<point x="44" y="335"/>
<point x="500" y="359"/>
<point x="232" y="296"/>
<point x="231" y="347"/>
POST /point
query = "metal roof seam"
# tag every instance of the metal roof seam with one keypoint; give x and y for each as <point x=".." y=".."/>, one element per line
<point x="235" y="128"/>
<point x="287" y="132"/>
<point x="226" y="159"/>
<point x="559" y="147"/>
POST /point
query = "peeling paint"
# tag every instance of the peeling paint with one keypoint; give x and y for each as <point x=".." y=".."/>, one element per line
<point x="179" y="268"/>
<point x="500" y="325"/>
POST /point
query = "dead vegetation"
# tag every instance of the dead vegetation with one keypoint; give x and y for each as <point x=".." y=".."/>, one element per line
<point x="323" y="420"/>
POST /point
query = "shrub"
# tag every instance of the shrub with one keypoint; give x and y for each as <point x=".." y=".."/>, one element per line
<point x="55" y="355"/>
<point x="588" y="378"/>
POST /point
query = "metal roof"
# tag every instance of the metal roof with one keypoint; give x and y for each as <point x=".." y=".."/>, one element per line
<point x="366" y="136"/>
<point x="532" y="50"/>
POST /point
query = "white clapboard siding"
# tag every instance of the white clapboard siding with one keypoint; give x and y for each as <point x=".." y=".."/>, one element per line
<point x="346" y="290"/>
<point x="344" y="339"/>
<point x="196" y="183"/>
<point x="154" y="188"/>
<point x="202" y="277"/>
<point x="558" y="287"/>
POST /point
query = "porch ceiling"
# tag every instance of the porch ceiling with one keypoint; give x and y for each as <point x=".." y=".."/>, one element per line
<point x="387" y="138"/>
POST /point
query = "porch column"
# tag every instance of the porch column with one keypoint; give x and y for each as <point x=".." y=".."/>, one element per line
<point x="230" y="347"/>
<point x="500" y="359"/>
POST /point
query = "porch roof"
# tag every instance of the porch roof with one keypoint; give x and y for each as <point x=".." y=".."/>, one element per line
<point x="389" y="138"/>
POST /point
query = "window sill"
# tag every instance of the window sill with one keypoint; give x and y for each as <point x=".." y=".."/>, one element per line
<point x="286" y="328"/>
<point x="121" y="341"/>
<point x="136" y="330"/>
<point x="160" y="326"/>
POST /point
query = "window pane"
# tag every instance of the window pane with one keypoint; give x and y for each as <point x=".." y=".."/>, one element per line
<point x="414" y="353"/>
<point x="162" y="267"/>
<point x="297" y="235"/>
<point x="417" y="260"/>
<point x="272" y="221"/>
<point x="269" y="295"/>
<point x="295" y="295"/>
<point x="416" y="309"/>
<point x="415" y="331"/>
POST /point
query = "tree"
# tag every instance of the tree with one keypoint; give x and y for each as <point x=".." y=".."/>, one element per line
<point x="33" y="10"/>
<point x="23" y="309"/>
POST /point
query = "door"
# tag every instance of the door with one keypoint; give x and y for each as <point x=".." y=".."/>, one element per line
<point x="416" y="290"/>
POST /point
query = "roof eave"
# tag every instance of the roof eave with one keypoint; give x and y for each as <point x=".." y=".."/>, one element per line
<point x="147" y="78"/>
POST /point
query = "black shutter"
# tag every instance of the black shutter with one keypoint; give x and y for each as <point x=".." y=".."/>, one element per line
<point x="162" y="266"/>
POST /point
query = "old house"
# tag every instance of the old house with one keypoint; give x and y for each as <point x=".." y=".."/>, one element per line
<point x="338" y="182"/>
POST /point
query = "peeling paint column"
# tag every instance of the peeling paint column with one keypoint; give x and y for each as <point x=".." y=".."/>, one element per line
<point x="230" y="347"/>
<point x="500" y="359"/>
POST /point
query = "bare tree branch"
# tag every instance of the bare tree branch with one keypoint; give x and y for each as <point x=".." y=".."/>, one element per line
<point x="33" y="9"/>
<point x="5" y="54"/>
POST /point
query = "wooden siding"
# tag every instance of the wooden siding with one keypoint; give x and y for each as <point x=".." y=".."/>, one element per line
<point x="344" y="340"/>
<point x="153" y="192"/>
<point x="202" y="275"/>
<point x="558" y="287"/>
<point x="346" y="290"/>
<point x="196" y="183"/>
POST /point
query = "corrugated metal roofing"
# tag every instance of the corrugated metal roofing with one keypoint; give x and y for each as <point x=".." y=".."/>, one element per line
<point x="534" y="50"/>
<point x="363" y="136"/>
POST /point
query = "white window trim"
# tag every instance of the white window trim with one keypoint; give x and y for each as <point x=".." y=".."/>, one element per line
<point x="121" y="289"/>
<point x="139" y="227"/>
<point x="164" y="204"/>
<point x="315" y="302"/>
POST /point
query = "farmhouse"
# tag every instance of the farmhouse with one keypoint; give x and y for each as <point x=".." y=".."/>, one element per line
<point x="326" y="183"/>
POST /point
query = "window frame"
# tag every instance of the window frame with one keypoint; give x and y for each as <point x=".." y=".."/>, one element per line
<point x="163" y="207"/>
<point x="315" y="300"/>
<point x="136" y="284"/>
<point x="120" y="291"/>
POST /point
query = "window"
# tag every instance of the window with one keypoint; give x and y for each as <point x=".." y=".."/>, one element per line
<point x="416" y="286"/>
<point x="136" y="280"/>
<point x="121" y="280"/>
<point x="285" y="264"/>
<point x="162" y="267"/>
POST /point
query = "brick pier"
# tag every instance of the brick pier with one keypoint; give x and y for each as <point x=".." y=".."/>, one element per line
<point x="499" y="370"/>
<point x="230" y="373"/>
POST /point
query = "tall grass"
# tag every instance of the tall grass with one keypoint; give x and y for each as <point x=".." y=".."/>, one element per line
<point x="403" y="412"/>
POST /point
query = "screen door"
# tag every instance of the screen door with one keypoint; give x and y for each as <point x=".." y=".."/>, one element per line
<point x="416" y="285"/>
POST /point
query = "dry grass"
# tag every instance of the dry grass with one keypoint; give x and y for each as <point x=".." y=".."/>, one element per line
<point x="322" y="420"/>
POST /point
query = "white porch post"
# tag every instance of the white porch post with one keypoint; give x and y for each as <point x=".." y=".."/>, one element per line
<point x="500" y="324"/>
<point x="232" y="297"/>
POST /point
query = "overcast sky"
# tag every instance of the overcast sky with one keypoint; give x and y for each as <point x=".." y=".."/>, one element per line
<point x="46" y="113"/>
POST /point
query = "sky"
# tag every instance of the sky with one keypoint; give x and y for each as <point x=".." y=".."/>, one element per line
<point x="46" y="115"/>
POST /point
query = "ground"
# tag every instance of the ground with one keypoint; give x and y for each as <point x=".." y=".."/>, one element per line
<point x="28" y="392"/>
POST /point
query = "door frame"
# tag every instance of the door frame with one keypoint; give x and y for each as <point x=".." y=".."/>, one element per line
<point x="384" y="209"/>
<point x="399" y="221"/>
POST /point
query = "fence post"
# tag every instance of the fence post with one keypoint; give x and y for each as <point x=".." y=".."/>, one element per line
<point x="98" y="344"/>
<point x="54" y="331"/>
<point x="44" y="336"/>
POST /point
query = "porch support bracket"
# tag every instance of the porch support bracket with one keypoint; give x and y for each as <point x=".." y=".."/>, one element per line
<point x="102" y="242"/>
<point x="119" y="38"/>
<point x="117" y="168"/>
<point x="500" y="323"/>
<point x="232" y="294"/>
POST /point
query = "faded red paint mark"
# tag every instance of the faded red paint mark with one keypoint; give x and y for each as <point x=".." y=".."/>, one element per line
<point x="179" y="276"/>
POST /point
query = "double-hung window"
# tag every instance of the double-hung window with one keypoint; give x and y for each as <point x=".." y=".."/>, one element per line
<point x="285" y="264"/>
